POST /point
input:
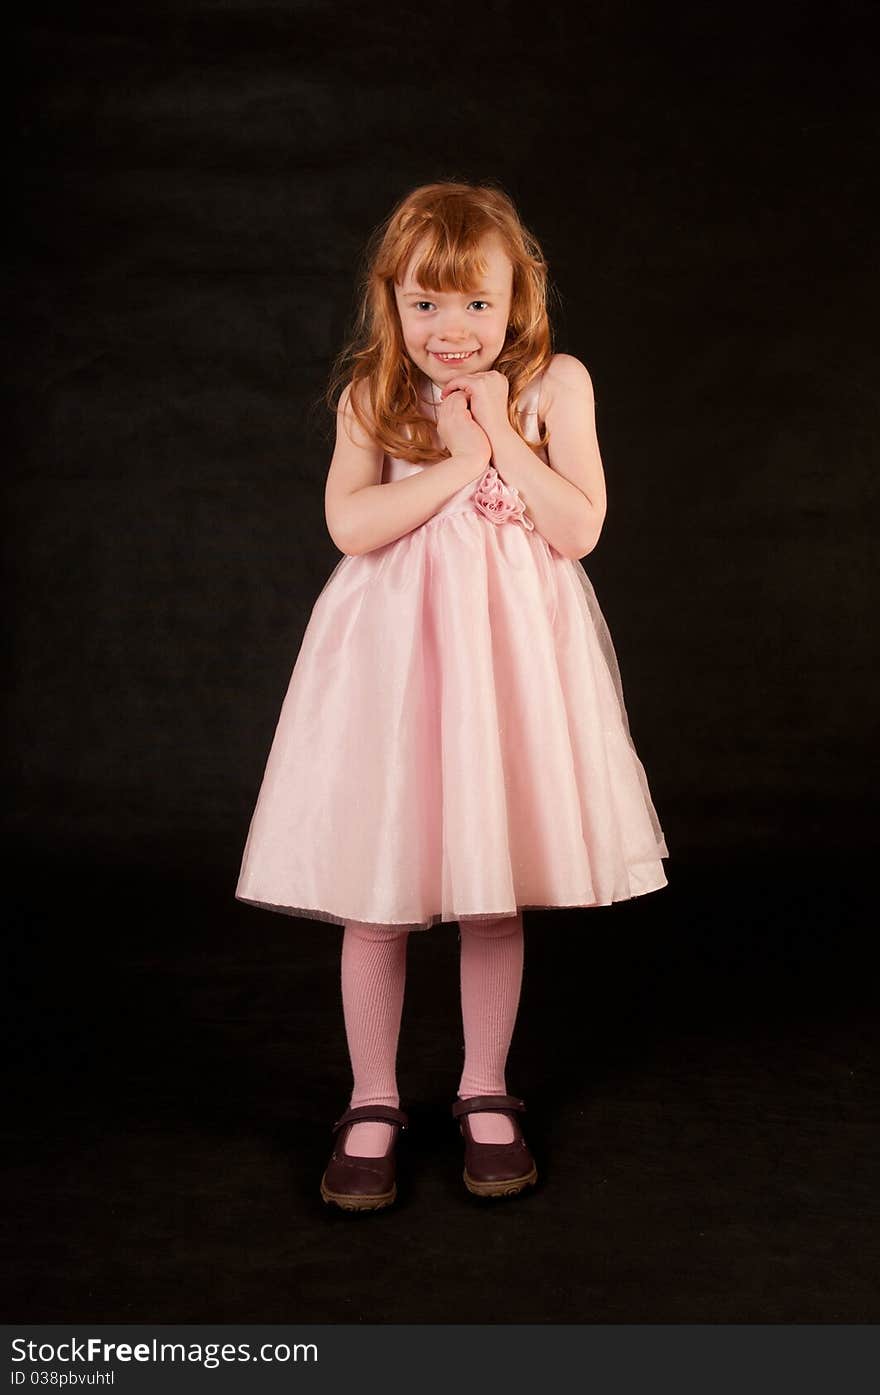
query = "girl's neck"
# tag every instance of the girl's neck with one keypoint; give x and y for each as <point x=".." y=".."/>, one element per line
<point x="427" y="389"/>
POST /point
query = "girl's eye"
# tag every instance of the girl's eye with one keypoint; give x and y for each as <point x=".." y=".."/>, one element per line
<point x="419" y="303"/>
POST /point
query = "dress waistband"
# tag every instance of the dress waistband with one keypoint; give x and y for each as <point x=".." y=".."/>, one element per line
<point x="450" y="511"/>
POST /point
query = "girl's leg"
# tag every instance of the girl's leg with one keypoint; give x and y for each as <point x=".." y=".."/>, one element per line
<point x="373" y="973"/>
<point x="491" y="979"/>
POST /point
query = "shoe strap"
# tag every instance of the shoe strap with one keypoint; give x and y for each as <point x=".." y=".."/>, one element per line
<point x="379" y="1113"/>
<point x="501" y="1103"/>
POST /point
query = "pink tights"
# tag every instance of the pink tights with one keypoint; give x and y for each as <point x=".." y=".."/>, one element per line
<point x="373" y="971"/>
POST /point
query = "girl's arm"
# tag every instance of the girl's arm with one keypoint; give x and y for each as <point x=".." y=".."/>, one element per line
<point x="567" y="503"/>
<point x="361" y="512"/>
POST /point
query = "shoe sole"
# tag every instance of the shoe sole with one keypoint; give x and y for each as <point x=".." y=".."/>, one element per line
<point x="352" y="1202"/>
<point x="511" y="1186"/>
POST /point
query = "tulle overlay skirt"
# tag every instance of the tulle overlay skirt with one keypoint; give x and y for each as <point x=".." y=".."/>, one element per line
<point x="453" y="742"/>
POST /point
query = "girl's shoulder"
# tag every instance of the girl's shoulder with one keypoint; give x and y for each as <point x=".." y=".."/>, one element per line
<point x="564" y="374"/>
<point x="357" y="390"/>
<point x="359" y="425"/>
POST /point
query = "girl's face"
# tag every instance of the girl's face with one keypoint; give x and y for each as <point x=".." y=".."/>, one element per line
<point x="438" y="325"/>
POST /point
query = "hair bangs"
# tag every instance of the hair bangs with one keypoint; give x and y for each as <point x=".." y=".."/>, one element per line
<point x="446" y="259"/>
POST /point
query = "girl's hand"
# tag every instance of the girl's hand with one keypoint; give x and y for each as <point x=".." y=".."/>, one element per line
<point x="486" y="395"/>
<point x="458" y="431"/>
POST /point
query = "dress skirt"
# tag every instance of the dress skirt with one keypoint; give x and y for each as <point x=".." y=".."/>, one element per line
<point x="453" y="742"/>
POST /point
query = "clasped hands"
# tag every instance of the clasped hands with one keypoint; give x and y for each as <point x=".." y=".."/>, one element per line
<point x="486" y="395"/>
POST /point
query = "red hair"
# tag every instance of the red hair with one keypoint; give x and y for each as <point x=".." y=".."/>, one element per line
<point x="449" y="219"/>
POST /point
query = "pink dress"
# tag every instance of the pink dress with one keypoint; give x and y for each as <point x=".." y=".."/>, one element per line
<point x="453" y="741"/>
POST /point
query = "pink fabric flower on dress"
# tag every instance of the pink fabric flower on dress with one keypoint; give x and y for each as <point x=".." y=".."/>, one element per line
<point x="499" y="501"/>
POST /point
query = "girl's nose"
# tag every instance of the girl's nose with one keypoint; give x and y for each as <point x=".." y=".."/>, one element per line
<point x="454" y="333"/>
<point x="453" y="322"/>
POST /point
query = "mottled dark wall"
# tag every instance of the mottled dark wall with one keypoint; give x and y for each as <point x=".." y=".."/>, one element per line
<point x="196" y="182"/>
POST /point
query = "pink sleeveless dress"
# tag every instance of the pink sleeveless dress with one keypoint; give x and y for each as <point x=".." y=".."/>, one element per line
<point x="453" y="742"/>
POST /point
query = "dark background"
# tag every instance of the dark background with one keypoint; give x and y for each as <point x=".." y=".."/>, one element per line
<point x="195" y="184"/>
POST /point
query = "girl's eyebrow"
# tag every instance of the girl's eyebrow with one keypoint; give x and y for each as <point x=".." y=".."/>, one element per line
<point x="419" y="292"/>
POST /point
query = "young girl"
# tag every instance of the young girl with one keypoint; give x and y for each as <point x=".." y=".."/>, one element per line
<point x="453" y="745"/>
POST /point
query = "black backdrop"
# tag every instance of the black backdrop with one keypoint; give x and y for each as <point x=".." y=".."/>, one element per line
<point x="195" y="185"/>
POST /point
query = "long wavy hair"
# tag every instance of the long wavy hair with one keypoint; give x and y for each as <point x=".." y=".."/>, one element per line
<point x="450" y="219"/>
